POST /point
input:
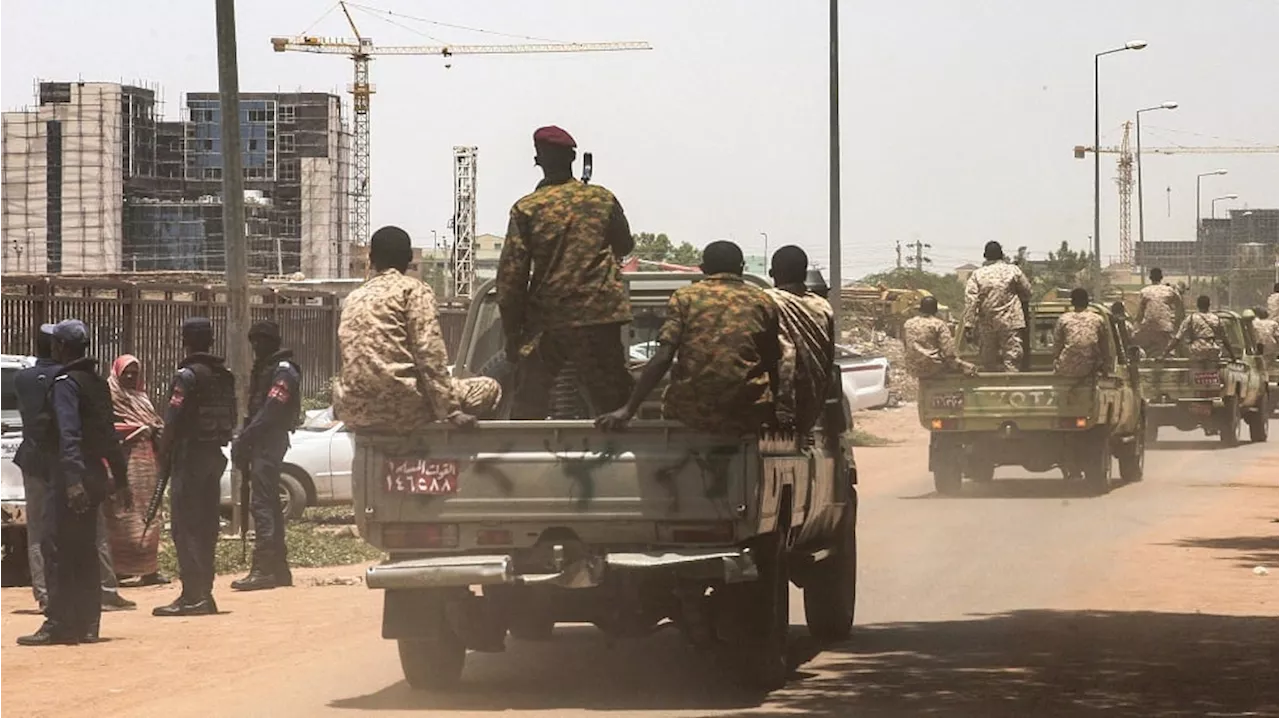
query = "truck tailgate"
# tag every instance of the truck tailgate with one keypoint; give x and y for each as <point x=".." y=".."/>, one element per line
<point x="1165" y="381"/>
<point x="1034" y="400"/>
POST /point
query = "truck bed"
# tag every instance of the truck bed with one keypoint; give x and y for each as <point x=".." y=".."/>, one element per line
<point x="1026" y="401"/>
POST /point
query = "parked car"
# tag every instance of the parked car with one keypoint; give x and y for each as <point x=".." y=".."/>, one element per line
<point x="865" y="378"/>
<point x="317" y="467"/>
<point x="13" y="495"/>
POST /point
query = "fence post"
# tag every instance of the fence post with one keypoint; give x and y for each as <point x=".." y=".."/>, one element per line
<point x="129" y="324"/>
<point x="43" y="290"/>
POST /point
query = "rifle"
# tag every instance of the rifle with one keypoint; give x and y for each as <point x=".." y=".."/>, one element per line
<point x="242" y="467"/>
<point x="586" y="167"/>
<point x="153" y="506"/>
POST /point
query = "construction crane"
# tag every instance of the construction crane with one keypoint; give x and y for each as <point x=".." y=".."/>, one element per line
<point x="361" y="50"/>
<point x="1124" y="177"/>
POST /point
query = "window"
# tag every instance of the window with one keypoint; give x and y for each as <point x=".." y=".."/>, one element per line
<point x="288" y="171"/>
<point x="286" y="142"/>
<point x="253" y="145"/>
<point x="288" y="113"/>
<point x="289" y="226"/>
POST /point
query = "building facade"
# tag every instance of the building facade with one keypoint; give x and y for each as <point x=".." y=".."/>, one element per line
<point x="1218" y="250"/>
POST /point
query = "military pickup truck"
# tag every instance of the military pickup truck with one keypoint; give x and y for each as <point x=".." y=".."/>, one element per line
<point x="1036" y="419"/>
<point x="1211" y="395"/>
<point x="518" y="525"/>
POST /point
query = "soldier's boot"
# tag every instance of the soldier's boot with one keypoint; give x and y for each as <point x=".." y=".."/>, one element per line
<point x="283" y="576"/>
<point x="257" y="580"/>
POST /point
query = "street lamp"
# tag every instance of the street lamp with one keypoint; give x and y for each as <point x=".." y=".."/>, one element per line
<point x="1199" y="232"/>
<point x="1213" y="204"/>
<point x="1142" y="235"/>
<point x="766" y="247"/>
<point x="1097" y="161"/>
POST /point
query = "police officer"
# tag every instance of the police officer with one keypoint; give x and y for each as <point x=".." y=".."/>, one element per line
<point x="274" y="407"/>
<point x="79" y="414"/>
<point x="198" y="422"/>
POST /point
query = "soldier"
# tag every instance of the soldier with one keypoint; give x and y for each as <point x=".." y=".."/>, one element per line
<point x="198" y="421"/>
<point x="725" y="333"/>
<point x="995" y="297"/>
<point x="560" y="288"/>
<point x="1273" y="301"/>
<point x="1202" y="333"/>
<point x="78" y="412"/>
<point x="395" y="369"/>
<point x="1265" y="330"/>
<point x="275" y="406"/>
<point x="1080" y="345"/>
<point x="807" y="340"/>
<point x="928" y="347"/>
<point x="32" y="457"/>
<point x="1158" y="308"/>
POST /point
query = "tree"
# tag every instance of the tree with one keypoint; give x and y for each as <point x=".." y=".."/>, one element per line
<point x="686" y="254"/>
<point x="653" y="247"/>
<point x="1064" y="269"/>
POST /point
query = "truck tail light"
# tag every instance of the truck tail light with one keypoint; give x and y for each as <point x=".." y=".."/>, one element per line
<point x="943" y="424"/>
<point x="493" y="537"/>
<point x="1073" y="422"/>
<point x="404" y="535"/>
<point x="695" y="531"/>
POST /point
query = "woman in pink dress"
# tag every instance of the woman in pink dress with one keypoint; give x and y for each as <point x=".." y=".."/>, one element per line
<point x="139" y="427"/>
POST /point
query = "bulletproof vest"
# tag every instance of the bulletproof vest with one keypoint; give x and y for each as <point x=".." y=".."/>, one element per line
<point x="97" y="421"/>
<point x="260" y="385"/>
<point x="213" y="402"/>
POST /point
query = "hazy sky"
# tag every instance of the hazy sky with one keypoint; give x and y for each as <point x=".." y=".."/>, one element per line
<point x="958" y="117"/>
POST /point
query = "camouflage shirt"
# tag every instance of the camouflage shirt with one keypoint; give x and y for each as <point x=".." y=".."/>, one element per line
<point x="1265" y="331"/>
<point x="560" y="264"/>
<point x="1201" y="333"/>
<point x="1080" y="346"/>
<point x="993" y="297"/>
<point x="1273" y="305"/>
<point x="395" y="374"/>
<point x="807" y="341"/>
<point x="928" y="346"/>
<point x="1158" y="306"/>
<point x="725" y="332"/>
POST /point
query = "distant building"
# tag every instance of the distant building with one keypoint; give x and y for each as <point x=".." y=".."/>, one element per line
<point x="964" y="270"/>
<point x="1216" y="251"/>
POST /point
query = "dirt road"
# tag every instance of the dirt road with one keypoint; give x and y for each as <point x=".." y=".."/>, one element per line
<point x="1019" y="598"/>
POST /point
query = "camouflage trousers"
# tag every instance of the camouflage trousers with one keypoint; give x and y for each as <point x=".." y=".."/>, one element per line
<point x="1152" y="341"/>
<point x="599" y="361"/>
<point x="478" y="396"/>
<point x="1000" y="349"/>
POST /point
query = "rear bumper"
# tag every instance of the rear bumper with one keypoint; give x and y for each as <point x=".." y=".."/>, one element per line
<point x="14" y="513"/>
<point x="727" y="565"/>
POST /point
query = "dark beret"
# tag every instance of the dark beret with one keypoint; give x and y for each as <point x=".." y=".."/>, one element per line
<point x="552" y="135"/>
<point x="265" y="328"/>
<point x="196" y="325"/>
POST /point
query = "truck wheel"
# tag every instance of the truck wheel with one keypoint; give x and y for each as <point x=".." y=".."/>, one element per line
<point x="1151" y="432"/>
<point x="982" y="472"/>
<point x="1097" y="462"/>
<point x="293" y="497"/>
<point x="947" y="479"/>
<point x="435" y="663"/>
<point x="762" y="608"/>
<point x="831" y="592"/>
<point x="1259" y="420"/>
<point x="1229" y="431"/>
<point x="1133" y="457"/>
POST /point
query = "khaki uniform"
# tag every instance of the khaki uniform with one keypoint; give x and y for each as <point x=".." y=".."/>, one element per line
<point x="395" y="376"/>
<point x="725" y="332"/>
<point x="1201" y="333"/>
<point x="929" y="349"/>
<point x="1080" y="346"/>
<point x="993" y="297"/>
<point x="1158" y="309"/>
<point x="1265" y="330"/>
<point x="807" y="341"/>
<point x="1273" y="305"/>
<point x="561" y="294"/>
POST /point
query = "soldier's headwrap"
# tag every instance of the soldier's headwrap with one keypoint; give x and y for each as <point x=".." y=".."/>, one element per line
<point x="993" y="250"/>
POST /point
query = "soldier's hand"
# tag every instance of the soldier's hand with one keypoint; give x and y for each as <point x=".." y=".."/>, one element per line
<point x="77" y="499"/>
<point x="970" y="370"/>
<point x="614" y="420"/>
<point x="462" y="420"/>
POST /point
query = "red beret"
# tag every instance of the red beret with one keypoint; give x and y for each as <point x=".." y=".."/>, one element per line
<point x="552" y="135"/>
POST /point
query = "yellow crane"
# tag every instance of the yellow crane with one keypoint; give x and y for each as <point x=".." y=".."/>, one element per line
<point x="1124" y="180"/>
<point x="361" y="50"/>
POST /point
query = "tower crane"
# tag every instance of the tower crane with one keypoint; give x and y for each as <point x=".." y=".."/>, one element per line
<point x="1124" y="179"/>
<point x="361" y="50"/>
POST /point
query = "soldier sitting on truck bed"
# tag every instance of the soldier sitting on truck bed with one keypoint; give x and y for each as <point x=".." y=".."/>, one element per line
<point x="807" y="340"/>
<point x="722" y="336"/>
<point x="1265" y="330"/>
<point x="995" y="298"/>
<point x="1158" y="308"/>
<point x="927" y="344"/>
<point x="1201" y="333"/>
<point x="1080" y="346"/>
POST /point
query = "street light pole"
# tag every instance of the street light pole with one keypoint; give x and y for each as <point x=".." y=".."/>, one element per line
<point x="834" y="160"/>
<point x="1142" y="234"/>
<point x="1097" y="159"/>
<point x="766" y="248"/>
<point x="1213" y="204"/>
<point x="1199" y="231"/>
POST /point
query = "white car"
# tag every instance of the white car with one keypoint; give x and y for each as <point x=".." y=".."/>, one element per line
<point x="865" y="379"/>
<point x="317" y="467"/>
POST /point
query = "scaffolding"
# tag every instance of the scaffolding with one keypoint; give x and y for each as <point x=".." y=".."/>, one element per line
<point x="464" y="220"/>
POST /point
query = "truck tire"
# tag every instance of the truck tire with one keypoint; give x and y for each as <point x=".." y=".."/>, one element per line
<point x="435" y="663"/>
<point x="1151" y="432"/>
<point x="293" y="495"/>
<point x="947" y="479"/>
<point x="832" y="590"/>
<point x="1229" y="430"/>
<point x="981" y="471"/>
<point x="761" y="608"/>
<point x="1259" y="420"/>
<point x="1096" y="461"/>
<point x="1133" y="456"/>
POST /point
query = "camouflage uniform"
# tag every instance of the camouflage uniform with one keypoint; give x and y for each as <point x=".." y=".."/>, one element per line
<point x="993" y="297"/>
<point x="1080" y="346"/>
<point x="561" y="294"/>
<point x="1265" y="331"/>
<point x="929" y="349"/>
<point x="725" y="332"/>
<point x="1158" y="308"/>
<point x="395" y="375"/>
<point x="1201" y="333"/>
<point x="807" y="341"/>
<point x="1273" y="305"/>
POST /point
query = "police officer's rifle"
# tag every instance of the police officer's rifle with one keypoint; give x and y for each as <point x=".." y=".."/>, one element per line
<point x="153" y="506"/>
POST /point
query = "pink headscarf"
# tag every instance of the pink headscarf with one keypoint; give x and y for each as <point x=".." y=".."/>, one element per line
<point x="132" y="406"/>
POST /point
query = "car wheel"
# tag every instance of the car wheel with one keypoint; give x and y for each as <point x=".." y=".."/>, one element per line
<point x="293" y="496"/>
<point x="1229" y="430"/>
<point x="830" y="594"/>
<point x="1096" y="450"/>
<point x="1259" y="419"/>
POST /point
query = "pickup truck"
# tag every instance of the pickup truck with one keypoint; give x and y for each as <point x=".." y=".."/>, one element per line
<point x="518" y="525"/>
<point x="1036" y="419"/>
<point x="1211" y="395"/>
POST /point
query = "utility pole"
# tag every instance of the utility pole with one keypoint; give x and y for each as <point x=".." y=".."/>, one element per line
<point x="921" y="260"/>
<point x="237" y="334"/>
<point x="833" y="87"/>
<point x="897" y="249"/>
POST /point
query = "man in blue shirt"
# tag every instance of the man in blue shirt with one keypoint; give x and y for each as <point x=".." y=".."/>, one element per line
<point x="32" y="387"/>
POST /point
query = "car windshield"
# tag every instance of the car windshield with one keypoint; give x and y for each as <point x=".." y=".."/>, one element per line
<point x="319" y="421"/>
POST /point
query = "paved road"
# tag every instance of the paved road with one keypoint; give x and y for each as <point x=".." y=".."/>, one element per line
<point x="1020" y="598"/>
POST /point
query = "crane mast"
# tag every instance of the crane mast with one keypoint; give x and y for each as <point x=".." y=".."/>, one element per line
<point x="464" y="219"/>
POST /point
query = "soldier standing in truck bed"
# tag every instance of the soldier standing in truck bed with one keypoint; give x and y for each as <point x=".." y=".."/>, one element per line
<point x="994" y="299"/>
<point x="1158" y="308"/>
<point x="560" y="288"/>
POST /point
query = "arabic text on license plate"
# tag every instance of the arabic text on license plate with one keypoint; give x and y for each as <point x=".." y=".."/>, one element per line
<point x="948" y="401"/>
<point x="421" y="476"/>
<point x="1207" y="378"/>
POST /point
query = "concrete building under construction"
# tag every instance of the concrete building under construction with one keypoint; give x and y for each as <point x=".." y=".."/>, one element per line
<point x="95" y="182"/>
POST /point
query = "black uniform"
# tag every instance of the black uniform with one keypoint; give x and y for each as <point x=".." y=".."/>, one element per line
<point x="198" y="422"/>
<point x="275" y="404"/>
<point x="82" y="416"/>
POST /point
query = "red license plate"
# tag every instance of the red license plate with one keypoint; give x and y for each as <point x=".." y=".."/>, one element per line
<point x="421" y="476"/>
<point x="1201" y="409"/>
<point x="1208" y="378"/>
